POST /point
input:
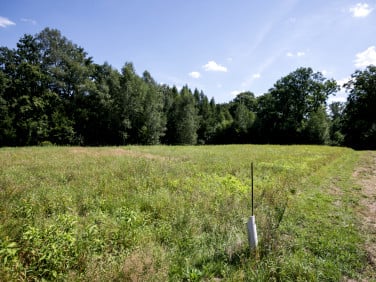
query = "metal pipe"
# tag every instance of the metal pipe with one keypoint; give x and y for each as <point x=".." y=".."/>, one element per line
<point x="252" y="186"/>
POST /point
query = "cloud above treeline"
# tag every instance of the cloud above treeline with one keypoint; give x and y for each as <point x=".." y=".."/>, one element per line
<point x="366" y="58"/>
<point x="30" y="21"/>
<point x="195" y="74"/>
<point x="360" y="10"/>
<point x="210" y="66"/>
<point x="213" y="66"/>
<point x="297" y="54"/>
<point x="5" y="22"/>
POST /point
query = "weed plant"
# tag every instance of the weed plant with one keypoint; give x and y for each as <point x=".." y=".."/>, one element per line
<point x="163" y="213"/>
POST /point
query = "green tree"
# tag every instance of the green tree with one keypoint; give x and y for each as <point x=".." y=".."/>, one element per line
<point x="206" y="117"/>
<point x="69" y="75"/>
<point x="295" y="98"/>
<point x="223" y="124"/>
<point x="141" y="107"/>
<point x="359" y="114"/>
<point x="100" y="128"/>
<point x="153" y="121"/>
<point x="242" y="110"/>
<point x="317" y="127"/>
<point x="67" y="64"/>
<point x="7" y="133"/>
<point x="184" y="118"/>
<point x="27" y="95"/>
<point x="266" y="122"/>
<point x="243" y="119"/>
<point x="336" y="119"/>
<point x="127" y="104"/>
<point x="170" y="96"/>
<point x="247" y="99"/>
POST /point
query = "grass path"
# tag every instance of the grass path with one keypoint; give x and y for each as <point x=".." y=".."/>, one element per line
<point x="365" y="176"/>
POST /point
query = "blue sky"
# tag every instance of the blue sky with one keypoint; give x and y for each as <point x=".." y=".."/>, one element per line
<point x="220" y="47"/>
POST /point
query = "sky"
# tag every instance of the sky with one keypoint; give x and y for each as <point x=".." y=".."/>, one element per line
<point x="220" y="47"/>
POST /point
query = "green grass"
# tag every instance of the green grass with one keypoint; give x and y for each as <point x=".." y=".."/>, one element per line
<point x="162" y="213"/>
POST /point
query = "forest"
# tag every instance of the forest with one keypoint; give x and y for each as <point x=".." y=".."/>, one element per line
<point x="51" y="92"/>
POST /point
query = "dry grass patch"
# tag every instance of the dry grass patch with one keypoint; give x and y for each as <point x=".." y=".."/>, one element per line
<point x="145" y="264"/>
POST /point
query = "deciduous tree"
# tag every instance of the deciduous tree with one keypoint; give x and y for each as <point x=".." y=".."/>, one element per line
<point x="359" y="115"/>
<point x="295" y="98"/>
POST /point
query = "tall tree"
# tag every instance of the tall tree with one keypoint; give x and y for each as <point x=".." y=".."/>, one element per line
<point x="100" y="128"/>
<point x="295" y="97"/>
<point x="247" y="99"/>
<point x="222" y="124"/>
<point x="336" y="118"/>
<point x="359" y="114"/>
<point x="27" y="95"/>
<point x="242" y="110"/>
<point x="69" y="71"/>
<point x="153" y="121"/>
<point x="184" y="118"/>
<point x="317" y="127"/>
<point x="267" y="120"/>
<point x="206" y="117"/>
<point x="7" y="132"/>
<point x="141" y="107"/>
<point x="170" y="96"/>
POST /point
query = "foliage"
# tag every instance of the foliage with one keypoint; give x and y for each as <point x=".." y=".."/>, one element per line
<point x="336" y="116"/>
<point x="50" y="251"/>
<point x="51" y="90"/>
<point x="359" y="117"/>
<point x="317" y="127"/>
<point x="295" y="102"/>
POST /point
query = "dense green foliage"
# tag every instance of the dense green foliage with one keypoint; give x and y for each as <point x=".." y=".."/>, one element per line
<point x="359" y="114"/>
<point x="52" y="91"/>
<point x="178" y="213"/>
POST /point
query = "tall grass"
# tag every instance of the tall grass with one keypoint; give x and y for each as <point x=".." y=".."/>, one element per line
<point x="176" y="213"/>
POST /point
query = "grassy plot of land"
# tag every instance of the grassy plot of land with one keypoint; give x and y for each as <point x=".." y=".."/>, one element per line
<point x="365" y="176"/>
<point x="178" y="213"/>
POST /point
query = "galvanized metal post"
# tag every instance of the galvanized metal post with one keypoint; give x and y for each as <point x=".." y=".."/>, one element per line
<point x="251" y="224"/>
<point x="252" y="186"/>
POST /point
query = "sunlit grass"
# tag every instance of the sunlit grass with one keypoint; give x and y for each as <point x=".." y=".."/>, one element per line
<point x="176" y="213"/>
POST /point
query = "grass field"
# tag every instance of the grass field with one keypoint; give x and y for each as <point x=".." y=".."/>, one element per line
<point x="158" y="213"/>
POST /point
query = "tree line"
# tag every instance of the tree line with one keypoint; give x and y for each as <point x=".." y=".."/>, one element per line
<point x="51" y="92"/>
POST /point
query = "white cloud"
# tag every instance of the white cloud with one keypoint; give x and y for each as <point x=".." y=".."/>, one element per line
<point x="297" y="54"/>
<point x="31" y="21"/>
<point x="194" y="74"/>
<point x="360" y="10"/>
<point x="366" y="58"/>
<point x="4" y="22"/>
<point x="343" y="81"/>
<point x="300" y="54"/>
<point x="236" y="92"/>
<point x="326" y="73"/>
<point x="341" y="95"/>
<point x="213" y="66"/>
<point x="250" y="79"/>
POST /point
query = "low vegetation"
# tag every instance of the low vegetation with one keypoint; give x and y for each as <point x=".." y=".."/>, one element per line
<point x="160" y="213"/>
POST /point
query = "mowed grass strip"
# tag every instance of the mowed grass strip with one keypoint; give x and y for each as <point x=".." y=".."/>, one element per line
<point x="157" y="213"/>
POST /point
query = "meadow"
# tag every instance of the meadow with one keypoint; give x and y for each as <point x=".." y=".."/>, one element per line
<point x="179" y="213"/>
